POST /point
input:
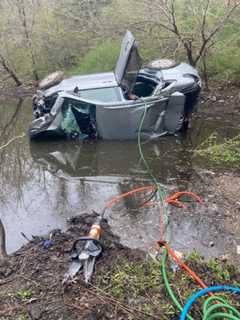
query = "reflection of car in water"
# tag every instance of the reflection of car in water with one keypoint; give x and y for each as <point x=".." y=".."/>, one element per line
<point x="111" y="105"/>
<point x="87" y="159"/>
<point x="109" y="158"/>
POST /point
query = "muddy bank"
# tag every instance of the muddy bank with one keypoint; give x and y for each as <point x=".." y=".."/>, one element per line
<point x="222" y="101"/>
<point x="31" y="280"/>
<point x="125" y="285"/>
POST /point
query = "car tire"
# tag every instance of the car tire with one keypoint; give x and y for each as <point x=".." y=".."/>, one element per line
<point x="160" y="64"/>
<point x="51" y="80"/>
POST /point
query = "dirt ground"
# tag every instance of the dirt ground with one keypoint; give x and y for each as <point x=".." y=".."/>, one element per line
<point x="32" y="288"/>
<point x="31" y="279"/>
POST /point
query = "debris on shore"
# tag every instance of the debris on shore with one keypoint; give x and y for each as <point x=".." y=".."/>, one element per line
<point x="126" y="284"/>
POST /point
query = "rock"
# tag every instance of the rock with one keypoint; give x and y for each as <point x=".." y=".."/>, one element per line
<point x="35" y="311"/>
<point x="213" y="98"/>
<point x="211" y="244"/>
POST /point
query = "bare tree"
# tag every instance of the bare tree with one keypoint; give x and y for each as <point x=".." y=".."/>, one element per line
<point x="27" y="30"/>
<point x="169" y="21"/>
<point x="3" y="252"/>
<point x="7" y="68"/>
<point x="202" y="37"/>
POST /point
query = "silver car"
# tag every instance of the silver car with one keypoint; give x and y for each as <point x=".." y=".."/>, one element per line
<point x="111" y="105"/>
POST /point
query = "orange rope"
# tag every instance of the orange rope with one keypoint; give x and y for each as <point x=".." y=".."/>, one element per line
<point x="116" y="199"/>
<point x="160" y="243"/>
<point x="183" y="265"/>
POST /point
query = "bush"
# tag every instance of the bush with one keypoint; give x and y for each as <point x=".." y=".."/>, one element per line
<point x="227" y="152"/>
<point x="101" y="58"/>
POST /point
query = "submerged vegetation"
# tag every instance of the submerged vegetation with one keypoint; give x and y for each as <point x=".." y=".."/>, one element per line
<point x="226" y="152"/>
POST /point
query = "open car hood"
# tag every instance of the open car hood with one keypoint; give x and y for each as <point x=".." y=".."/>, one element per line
<point x="128" y="64"/>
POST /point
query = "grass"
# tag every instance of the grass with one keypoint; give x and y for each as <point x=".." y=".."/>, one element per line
<point x="24" y="294"/>
<point x="101" y="58"/>
<point x="227" y="152"/>
<point x="140" y="285"/>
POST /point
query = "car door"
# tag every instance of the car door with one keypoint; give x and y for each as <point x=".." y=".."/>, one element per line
<point x="128" y="64"/>
<point x="121" y="121"/>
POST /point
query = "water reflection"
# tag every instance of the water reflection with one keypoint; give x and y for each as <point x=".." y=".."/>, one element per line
<point x="44" y="183"/>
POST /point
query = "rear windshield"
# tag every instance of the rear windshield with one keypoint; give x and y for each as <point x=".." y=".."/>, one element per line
<point x="102" y="94"/>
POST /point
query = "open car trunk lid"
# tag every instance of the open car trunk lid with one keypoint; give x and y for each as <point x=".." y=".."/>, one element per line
<point x="128" y="64"/>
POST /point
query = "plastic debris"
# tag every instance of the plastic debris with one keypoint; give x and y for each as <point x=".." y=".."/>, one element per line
<point x="47" y="243"/>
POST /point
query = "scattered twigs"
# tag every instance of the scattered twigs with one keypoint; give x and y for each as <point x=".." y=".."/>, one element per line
<point x="9" y="311"/>
<point x="106" y="296"/>
<point x="11" y="140"/>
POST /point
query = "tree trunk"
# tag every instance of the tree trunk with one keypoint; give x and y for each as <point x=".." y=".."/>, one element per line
<point x="10" y="71"/>
<point x="23" y="17"/>
<point x="3" y="252"/>
<point x="205" y="71"/>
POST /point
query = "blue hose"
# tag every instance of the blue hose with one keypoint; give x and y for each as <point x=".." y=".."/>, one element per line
<point x="203" y="292"/>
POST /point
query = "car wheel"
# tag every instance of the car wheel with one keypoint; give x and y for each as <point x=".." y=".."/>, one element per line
<point x="161" y="64"/>
<point x="51" y="80"/>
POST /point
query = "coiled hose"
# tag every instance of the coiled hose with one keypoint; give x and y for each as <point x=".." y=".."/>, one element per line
<point x="214" y="307"/>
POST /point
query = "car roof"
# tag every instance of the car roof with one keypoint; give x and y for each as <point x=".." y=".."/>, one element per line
<point x="90" y="81"/>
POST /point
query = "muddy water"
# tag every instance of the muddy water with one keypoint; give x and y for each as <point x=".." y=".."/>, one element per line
<point x="42" y="184"/>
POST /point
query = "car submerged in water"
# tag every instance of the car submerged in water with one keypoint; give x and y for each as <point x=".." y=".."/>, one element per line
<point x="111" y="105"/>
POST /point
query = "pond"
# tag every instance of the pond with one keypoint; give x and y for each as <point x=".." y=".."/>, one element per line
<point x="43" y="184"/>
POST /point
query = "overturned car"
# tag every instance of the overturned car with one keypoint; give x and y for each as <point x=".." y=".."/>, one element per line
<point x="111" y="105"/>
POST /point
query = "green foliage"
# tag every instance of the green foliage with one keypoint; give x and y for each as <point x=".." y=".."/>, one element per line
<point x="224" y="59"/>
<point x="221" y="274"/>
<point x="24" y="294"/>
<point x="227" y="152"/>
<point x="139" y="285"/>
<point x="136" y="279"/>
<point x="84" y="37"/>
<point x="101" y="58"/>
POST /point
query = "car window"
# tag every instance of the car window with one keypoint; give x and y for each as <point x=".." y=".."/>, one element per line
<point x="102" y="94"/>
<point x="131" y="71"/>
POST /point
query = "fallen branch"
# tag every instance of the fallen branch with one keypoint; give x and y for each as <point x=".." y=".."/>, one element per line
<point x="11" y="140"/>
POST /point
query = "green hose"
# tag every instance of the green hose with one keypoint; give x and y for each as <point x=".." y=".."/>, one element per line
<point x="161" y="193"/>
<point x="167" y="284"/>
<point x="214" y="307"/>
<point x="213" y="310"/>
